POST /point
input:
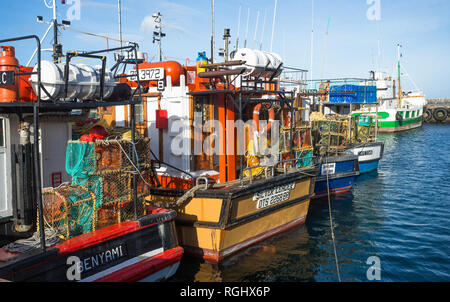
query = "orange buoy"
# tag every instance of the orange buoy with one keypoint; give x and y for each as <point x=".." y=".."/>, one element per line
<point x="256" y="113"/>
<point x="8" y="62"/>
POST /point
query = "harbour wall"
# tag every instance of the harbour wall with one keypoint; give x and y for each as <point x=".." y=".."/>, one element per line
<point x="437" y="111"/>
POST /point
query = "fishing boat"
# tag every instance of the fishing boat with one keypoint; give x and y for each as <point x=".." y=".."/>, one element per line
<point x="230" y="187"/>
<point x="82" y="216"/>
<point x="359" y="136"/>
<point x="369" y="155"/>
<point x="339" y="167"/>
<point x="337" y="175"/>
<point x="399" y="110"/>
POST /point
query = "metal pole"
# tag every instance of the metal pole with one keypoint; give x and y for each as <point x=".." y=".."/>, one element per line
<point x="37" y="164"/>
<point x="55" y="34"/>
<point x="246" y="31"/>
<point x="312" y="43"/>
<point x="256" y="31"/>
<point x="399" y="78"/>
<point x="264" y="28"/>
<point x="213" y="42"/>
<point x="160" y="38"/>
<point x="239" y="28"/>
<point x="120" y="23"/>
<point x="273" y="25"/>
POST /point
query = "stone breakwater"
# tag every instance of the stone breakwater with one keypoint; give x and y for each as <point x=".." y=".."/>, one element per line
<point x="437" y="111"/>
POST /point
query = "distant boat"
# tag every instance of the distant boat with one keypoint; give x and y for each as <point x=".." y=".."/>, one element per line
<point x="398" y="110"/>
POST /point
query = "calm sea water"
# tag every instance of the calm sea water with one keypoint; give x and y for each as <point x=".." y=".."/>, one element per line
<point x="400" y="214"/>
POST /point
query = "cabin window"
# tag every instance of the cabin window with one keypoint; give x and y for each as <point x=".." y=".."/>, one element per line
<point x="2" y="133"/>
<point x="407" y="114"/>
<point x="413" y="114"/>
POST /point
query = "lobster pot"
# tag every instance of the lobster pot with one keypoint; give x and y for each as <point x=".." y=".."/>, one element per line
<point x="118" y="155"/>
<point x="84" y="159"/>
<point x="83" y="82"/>
<point x="70" y="210"/>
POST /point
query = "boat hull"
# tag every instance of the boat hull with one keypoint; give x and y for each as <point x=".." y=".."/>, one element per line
<point x="369" y="155"/>
<point x="216" y="224"/>
<point x="141" y="250"/>
<point x="389" y="122"/>
<point x="342" y="172"/>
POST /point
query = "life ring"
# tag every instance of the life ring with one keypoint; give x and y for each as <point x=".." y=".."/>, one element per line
<point x="427" y="116"/>
<point x="440" y="114"/>
<point x="324" y="88"/>
<point x="256" y="113"/>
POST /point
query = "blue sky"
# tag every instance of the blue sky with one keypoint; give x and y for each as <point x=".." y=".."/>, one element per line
<point x="421" y="26"/>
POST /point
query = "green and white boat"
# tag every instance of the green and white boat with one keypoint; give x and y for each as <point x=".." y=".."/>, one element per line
<point x="397" y="110"/>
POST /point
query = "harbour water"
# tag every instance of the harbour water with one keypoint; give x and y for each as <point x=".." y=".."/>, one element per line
<point x="400" y="214"/>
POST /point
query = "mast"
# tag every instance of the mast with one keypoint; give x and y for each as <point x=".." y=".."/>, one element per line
<point x="120" y="23"/>
<point x="256" y="31"/>
<point x="325" y="49"/>
<point x="213" y="42"/>
<point x="246" y="31"/>
<point x="264" y="28"/>
<point x="57" y="48"/>
<point x="239" y="28"/>
<point x="399" y="77"/>
<point x="273" y="24"/>
<point x="312" y="43"/>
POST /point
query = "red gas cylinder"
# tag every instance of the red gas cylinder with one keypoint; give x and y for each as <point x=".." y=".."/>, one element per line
<point x="26" y="92"/>
<point x="171" y="68"/>
<point x="8" y="62"/>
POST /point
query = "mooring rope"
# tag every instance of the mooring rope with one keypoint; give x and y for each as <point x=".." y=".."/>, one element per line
<point x="331" y="222"/>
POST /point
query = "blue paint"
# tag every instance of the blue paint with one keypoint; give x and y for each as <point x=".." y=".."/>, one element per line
<point x="368" y="166"/>
<point x="345" y="171"/>
<point x="338" y="185"/>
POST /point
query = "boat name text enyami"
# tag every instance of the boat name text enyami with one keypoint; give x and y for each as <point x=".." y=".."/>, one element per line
<point x="79" y="266"/>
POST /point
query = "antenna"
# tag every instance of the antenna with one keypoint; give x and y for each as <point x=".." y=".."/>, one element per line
<point x="239" y="27"/>
<point x="246" y="31"/>
<point x="53" y="24"/>
<point x="325" y="50"/>
<point x="264" y="28"/>
<point x="256" y="31"/>
<point x="312" y="43"/>
<point x="273" y="25"/>
<point x="119" y="8"/>
<point x="158" y="34"/>
<point x="213" y="42"/>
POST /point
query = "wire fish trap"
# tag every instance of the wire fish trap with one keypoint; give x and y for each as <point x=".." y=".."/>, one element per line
<point x="330" y="134"/>
<point x="84" y="159"/>
<point x="70" y="210"/>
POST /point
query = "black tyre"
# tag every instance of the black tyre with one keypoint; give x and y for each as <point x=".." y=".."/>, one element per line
<point x="427" y="116"/>
<point x="440" y="114"/>
<point x="399" y="117"/>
